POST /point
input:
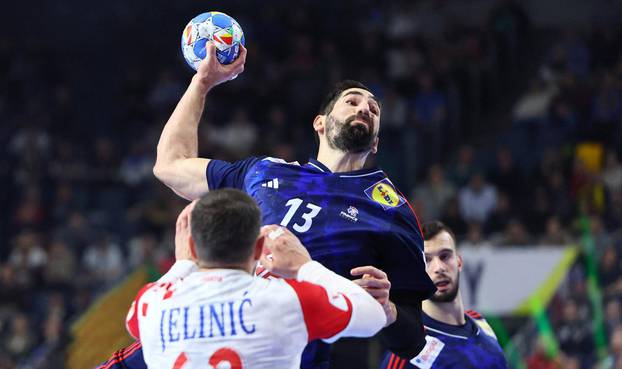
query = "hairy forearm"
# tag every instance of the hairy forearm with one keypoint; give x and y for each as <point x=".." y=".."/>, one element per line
<point x="179" y="139"/>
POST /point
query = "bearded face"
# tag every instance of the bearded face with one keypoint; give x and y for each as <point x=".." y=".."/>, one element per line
<point x="355" y="134"/>
<point x="447" y="288"/>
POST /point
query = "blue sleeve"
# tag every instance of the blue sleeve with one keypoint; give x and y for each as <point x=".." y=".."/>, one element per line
<point x="130" y="357"/>
<point x="221" y="174"/>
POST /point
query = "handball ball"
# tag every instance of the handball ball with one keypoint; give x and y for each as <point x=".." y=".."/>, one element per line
<point x="218" y="27"/>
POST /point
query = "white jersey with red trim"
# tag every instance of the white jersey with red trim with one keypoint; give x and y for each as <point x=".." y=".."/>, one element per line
<point x="199" y="319"/>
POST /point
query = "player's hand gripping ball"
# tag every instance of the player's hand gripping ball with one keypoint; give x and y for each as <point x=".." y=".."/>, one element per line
<point x="218" y="27"/>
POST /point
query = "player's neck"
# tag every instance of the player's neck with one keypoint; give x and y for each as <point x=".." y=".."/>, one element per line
<point x="339" y="161"/>
<point x="206" y="267"/>
<point x="451" y="313"/>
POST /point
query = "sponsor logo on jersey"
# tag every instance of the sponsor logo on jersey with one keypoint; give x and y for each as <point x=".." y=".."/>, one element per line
<point x="273" y="183"/>
<point x="430" y="352"/>
<point x="384" y="194"/>
<point x="351" y="214"/>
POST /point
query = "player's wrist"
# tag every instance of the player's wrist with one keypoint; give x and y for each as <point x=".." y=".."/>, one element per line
<point x="391" y="311"/>
<point x="202" y="84"/>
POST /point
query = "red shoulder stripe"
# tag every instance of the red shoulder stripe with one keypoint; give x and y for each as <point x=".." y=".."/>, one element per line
<point x="120" y="355"/>
<point x="473" y="314"/>
<point x="325" y="316"/>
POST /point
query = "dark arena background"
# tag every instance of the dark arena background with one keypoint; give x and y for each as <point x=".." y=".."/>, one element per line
<point x="501" y="118"/>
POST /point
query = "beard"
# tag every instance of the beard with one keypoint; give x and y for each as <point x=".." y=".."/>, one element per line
<point x="449" y="295"/>
<point x="348" y="137"/>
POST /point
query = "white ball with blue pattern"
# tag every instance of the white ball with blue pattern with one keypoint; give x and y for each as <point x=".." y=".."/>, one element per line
<point x="218" y="27"/>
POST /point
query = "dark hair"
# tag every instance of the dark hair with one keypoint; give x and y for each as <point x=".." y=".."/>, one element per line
<point x="333" y="95"/>
<point x="224" y="225"/>
<point x="432" y="229"/>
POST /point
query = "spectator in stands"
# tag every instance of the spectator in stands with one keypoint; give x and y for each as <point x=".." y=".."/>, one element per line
<point x="612" y="172"/>
<point x="613" y="315"/>
<point x="464" y="167"/>
<point x="477" y="200"/>
<point x="500" y="215"/>
<point x="555" y="233"/>
<point x="60" y="268"/>
<point x="20" y="338"/>
<point x="431" y="197"/>
<point x="104" y="260"/>
<point x="575" y="334"/>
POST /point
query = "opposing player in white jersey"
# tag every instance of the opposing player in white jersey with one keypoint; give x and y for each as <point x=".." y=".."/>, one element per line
<point x="210" y="310"/>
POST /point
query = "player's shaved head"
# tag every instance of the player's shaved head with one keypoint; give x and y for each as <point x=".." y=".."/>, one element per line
<point x="225" y="225"/>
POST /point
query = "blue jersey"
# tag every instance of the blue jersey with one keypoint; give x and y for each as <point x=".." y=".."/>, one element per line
<point x="471" y="346"/>
<point x="344" y="219"/>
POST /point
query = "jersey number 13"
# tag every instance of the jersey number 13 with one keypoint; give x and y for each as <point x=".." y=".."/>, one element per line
<point x="310" y="212"/>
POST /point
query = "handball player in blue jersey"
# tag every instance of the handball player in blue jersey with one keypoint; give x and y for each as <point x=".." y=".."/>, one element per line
<point x="456" y="338"/>
<point x="352" y="220"/>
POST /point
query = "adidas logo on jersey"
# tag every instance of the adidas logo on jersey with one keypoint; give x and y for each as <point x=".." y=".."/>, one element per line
<point x="273" y="183"/>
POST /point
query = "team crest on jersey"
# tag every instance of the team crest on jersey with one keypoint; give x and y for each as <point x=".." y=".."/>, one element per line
<point x="351" y="215"/>
<point x="384" y="193"/>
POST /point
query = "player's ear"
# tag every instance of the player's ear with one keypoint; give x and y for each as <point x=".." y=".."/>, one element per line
<point x="258" y="247"/>
<point x="374" y="146"/>
<point x="459" y="262"/>
<point x="193" y="248"/>
<point x="318" y="124"/>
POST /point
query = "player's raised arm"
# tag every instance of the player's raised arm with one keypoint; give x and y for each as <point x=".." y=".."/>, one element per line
<point x="177" y="164"/>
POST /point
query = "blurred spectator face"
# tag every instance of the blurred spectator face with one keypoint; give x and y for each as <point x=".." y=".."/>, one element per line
<point x="596" y="225"/>
<point x="465" y="155"/>
<point x="516" y="233"/>
<point x="276" y="117"/>
<point x="52" y="329"/>
<point x="475" y="233"/>
<point x="611" y="160"/>
<point x="562" y="109"/>
<point x="477" y="182"/>
<point x="615" y="341"/>
<point x="443" y="266"/>
<point x="104" y="150"/>
<point x="613" y="313"/>
<point x="609" y="260"/>
<point x="571" y="312"/>
<point x="504" y="159"/>
<point x="7" y="275"/>
<point x="426" y="83"/>
<point x="553" y="227"/>
<point x="503" y="203"/>
<point x="571" y="362"/>
<point x="19" y="340"/>
<point x="436" y="174"/>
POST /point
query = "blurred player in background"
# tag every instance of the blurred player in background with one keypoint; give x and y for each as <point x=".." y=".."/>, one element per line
<point x="455" y="338"/>
<point x="212" y="310"/>
<point x="345" y="215"/>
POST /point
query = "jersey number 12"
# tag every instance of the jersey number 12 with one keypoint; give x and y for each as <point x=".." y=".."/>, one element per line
<point x="307" y="216"/>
